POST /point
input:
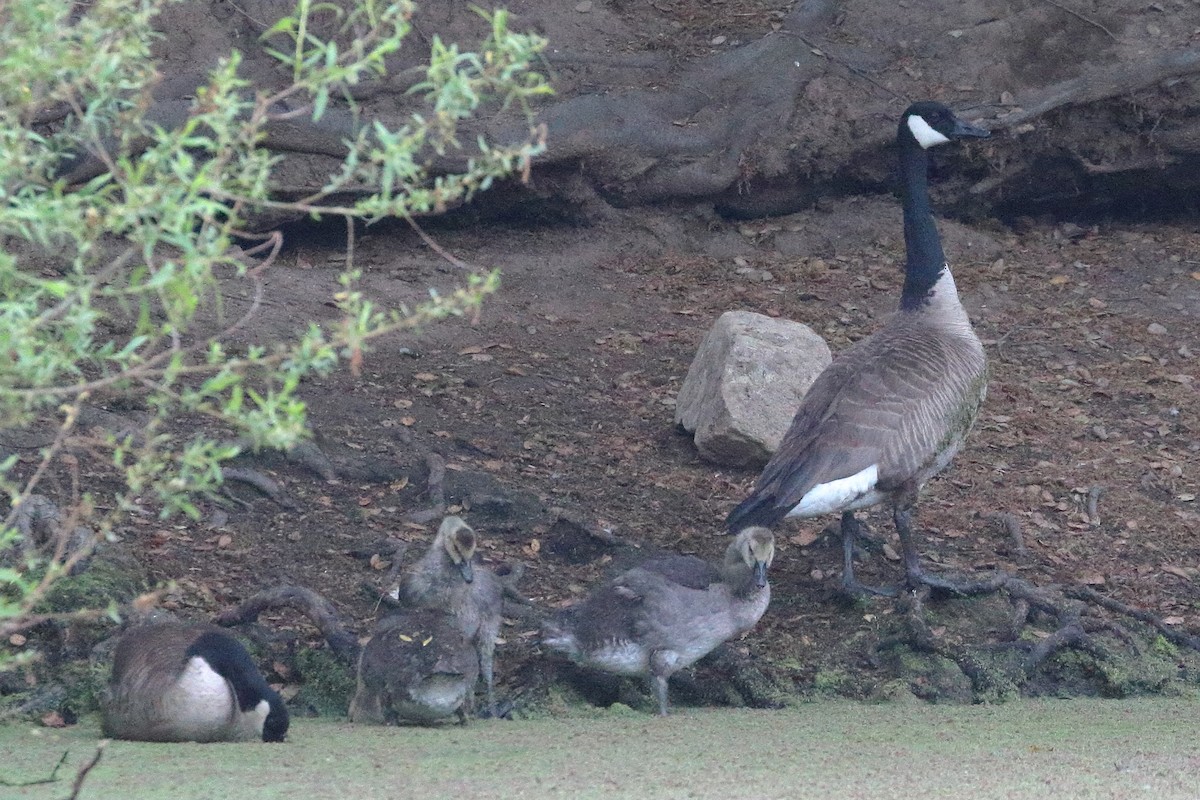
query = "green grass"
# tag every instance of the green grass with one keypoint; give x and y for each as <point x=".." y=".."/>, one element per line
<point x="1145" y="748"/>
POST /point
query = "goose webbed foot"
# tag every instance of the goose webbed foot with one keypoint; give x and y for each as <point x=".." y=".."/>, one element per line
<point x="501" y="710"/>
<point x="851" y="531"/>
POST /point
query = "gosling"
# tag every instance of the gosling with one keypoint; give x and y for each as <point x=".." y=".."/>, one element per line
<point x="667" y="613"/>
<point x="417" y="668"/>
<point x="446" y="578"/>
<point x="189" y="683"/>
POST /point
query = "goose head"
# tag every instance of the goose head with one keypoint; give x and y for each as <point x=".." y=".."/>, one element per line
<point x="458" y="539"/>
<point x="753" y="548"/>
<point x="275" y="726"/>
<point x="930" y="123"/>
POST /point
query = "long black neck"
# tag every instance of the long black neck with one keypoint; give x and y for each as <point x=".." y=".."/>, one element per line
<point x="226" y="656"/>
<point x="922" y="244"/>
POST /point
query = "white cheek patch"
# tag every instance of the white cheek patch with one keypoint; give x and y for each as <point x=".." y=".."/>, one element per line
<point x="924" y="133"/>
<point x="844" y="494"/>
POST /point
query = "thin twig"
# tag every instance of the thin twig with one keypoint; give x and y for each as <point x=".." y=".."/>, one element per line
<point x="844" y="64"/>
<point x="86" y="768"/>
<point x="437" y="248"/>
<point x="262" y="26"/>
<point x="1079" y="16"/>
<point x="52" y="778"/>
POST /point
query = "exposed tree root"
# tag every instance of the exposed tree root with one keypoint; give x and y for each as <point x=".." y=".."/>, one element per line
<point x="436" y="491"/>
<point x="1011" y="526"/>
<point x="1172" y="635"/>
<point x="1101" y="84"/>
<point x="1072" y="608"/>
<point x="259" y="481"/>
<point x="306" y="601"/>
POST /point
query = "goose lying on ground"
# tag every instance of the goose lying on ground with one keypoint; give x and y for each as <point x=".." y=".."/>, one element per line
<point x="667" y="613"/>
<point x="180" y="683"/>
<point x="446" y="578"/>
<point x="418" y="667"/>
<point x="891" y="411"/>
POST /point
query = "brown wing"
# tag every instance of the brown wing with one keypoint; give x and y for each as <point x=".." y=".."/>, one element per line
<point x="883" y="402"/>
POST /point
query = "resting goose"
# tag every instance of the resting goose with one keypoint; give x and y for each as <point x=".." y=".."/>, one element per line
<point x="418" y="667"/>
<point x="445" y="578"/>
<point x="189" y="683"/>
<point x="667" y="613"/>
<point x="891" y="411"/>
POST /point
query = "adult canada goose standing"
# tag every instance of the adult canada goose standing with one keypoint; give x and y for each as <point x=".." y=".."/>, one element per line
<point x="893" y="409"/>
<point x="667" y="613"/>
<point x="418" y="667"/>
<point x="189" y="683"/>
<point x="445" y="578"/>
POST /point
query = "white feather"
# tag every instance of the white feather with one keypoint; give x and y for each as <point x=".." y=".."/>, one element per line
<point x="200" y="706"/>
<point x="844" y="494"/>
<point x="924" y="133"/>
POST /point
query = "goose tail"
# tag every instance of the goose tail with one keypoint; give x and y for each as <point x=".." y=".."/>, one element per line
<point x="757" y="510"/>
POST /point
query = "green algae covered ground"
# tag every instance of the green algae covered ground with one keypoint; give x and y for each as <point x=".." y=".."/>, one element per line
<point x="1144" y="748"/>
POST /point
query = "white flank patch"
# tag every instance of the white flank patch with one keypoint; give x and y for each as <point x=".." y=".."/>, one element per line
<point x="200" y="706"/>
<point x="924" y="133"/>
<point x="844" y="494"/>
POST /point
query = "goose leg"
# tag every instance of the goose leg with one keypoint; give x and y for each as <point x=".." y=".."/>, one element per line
<point x="919" y="577"/>
<point x="850" y="584"/>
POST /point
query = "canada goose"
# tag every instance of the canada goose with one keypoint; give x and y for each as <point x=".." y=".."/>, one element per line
<point x="417" y="667"/>
<point x="189" y="683"/>
<point x="667" y="613"/>
<point x="893" y="409"/>
<point x="445" y="578"/>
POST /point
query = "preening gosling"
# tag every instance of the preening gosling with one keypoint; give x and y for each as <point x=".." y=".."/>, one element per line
<point x="667" y="613"/>
<point x="189" y="683"/>
<point x="418" y="667"/>
<point x="892" y="410"/>
<point x="446" y="578"/>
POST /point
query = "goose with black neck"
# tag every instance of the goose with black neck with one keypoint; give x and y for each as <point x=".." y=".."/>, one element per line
<point x="892" y="410"/>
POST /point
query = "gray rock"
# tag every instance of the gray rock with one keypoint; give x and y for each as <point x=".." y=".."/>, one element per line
<point x="745" y="385"/>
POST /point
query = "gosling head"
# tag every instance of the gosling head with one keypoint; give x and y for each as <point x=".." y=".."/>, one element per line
<point x="459" y="540"/>
<point x="930" y="123"/>
<point x="754" y="547"/>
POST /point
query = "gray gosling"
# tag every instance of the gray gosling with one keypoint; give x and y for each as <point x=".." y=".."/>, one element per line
<point x="189" y="683"/>
<point x="418" y="667"/>
<point x="892" y="410"/>
<point x="667" y="613"/>
<point x="446" y="578"/>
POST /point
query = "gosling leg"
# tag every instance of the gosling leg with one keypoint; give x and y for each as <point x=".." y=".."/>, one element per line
<point x="658" y="685"/>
